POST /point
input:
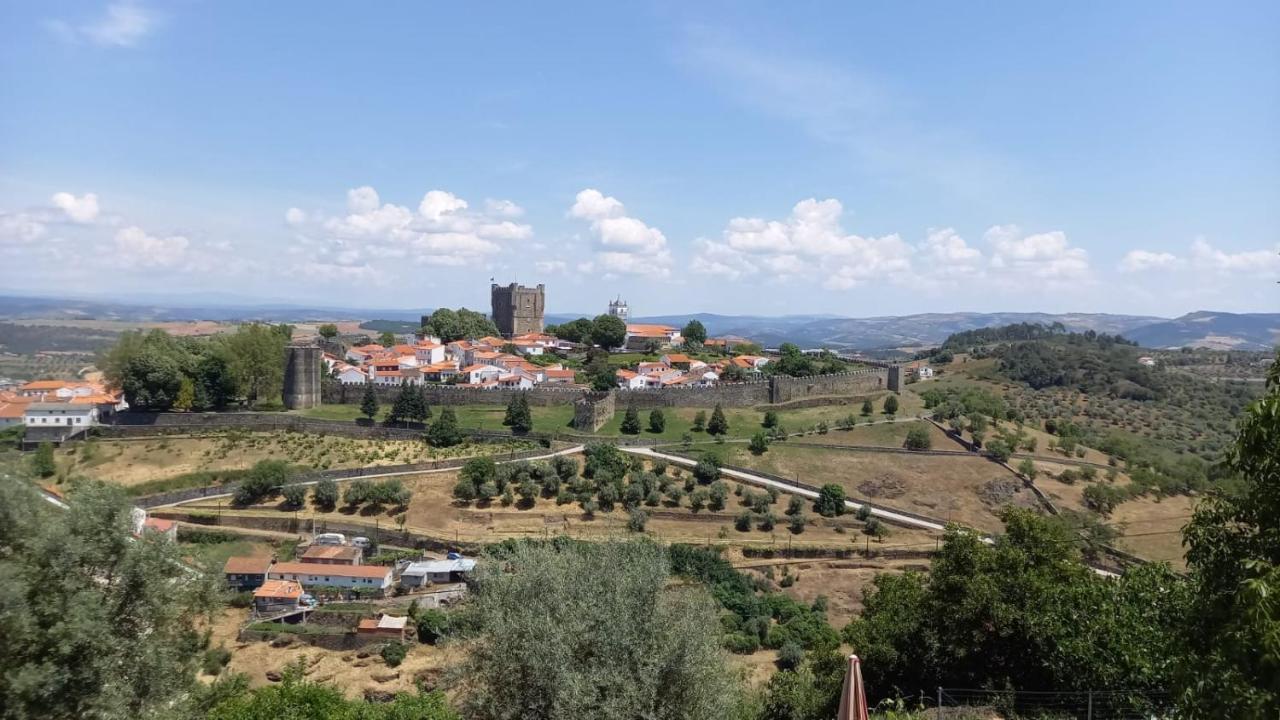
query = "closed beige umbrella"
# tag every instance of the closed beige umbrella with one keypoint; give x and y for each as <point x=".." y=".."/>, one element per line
<point x="853" y="698"/>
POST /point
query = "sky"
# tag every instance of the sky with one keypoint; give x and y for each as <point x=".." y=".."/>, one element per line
<point x="764" y="158"/>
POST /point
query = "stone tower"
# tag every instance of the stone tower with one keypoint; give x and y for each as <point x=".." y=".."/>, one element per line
<point x="618" y="309"/>
<point x="301" y="377"/>
<point x="517" y="309"/>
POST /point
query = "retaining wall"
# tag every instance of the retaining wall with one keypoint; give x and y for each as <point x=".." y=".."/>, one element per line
<point x="591" y="412"/>
<point x="786" y="389"/>
<point x="285" y="522"/>
<point x="337" y="393"/>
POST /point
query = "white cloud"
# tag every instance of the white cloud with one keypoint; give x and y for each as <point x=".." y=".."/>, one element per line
<point x="626" y="245"/>
<point x="1250" y="262"/>
<point x="135" y="248"/>
<point x="1142" y="260"/>
<point x="20" y="227"/>
<point x="551" y="267"/>
<point x="295" y="216"/>
<point x="809" y="243"/>
<point x="123" y="24"/>
<point x="444" y="231"/>
<point x="1046" y="256"/>
<point x="503" y="208"/>
<point x="82" y="209"/>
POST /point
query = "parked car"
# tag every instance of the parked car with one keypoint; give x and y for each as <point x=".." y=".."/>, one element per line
<point x="329" y="539"/>
<point x="361" y="542"/>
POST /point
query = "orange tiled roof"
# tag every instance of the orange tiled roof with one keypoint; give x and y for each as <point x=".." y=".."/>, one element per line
<point x="301" y="568"/>
<point x="281" y="588"/>
<point x="678" y="357"/>
<point x="240" y="565"/>
<point x="650" y="330"/>
<point x="557" y="373"/>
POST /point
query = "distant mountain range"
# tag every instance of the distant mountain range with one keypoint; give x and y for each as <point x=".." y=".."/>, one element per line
<point x="1217" y="330"/>
<point x="1254" y="331"/>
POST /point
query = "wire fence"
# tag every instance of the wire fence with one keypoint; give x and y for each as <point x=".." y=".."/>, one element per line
<point x="972" y="703"/>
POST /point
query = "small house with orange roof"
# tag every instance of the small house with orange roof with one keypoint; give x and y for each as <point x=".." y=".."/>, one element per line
<point x="480" y="372"/>
<point x="246" y="573"/>
<point x="428" y="352"/>
<point x="390" y="626"/>
<point x="363" y="353"/>
<point x="630" y="380"/>
<point x="639" y="336"/>
<point x="12" y="407"/>
<point x="559" y="376"/>
<point x="277" y="596"/>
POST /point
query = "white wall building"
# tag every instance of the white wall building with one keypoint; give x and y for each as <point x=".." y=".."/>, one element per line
<point x="40" y="414"/>
<point x="376" y="577"/>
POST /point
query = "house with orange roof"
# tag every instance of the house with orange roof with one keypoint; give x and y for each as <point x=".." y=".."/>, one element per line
<point x="440" y="372"/>
<point x="515" y="380"/>
<point x="630" y="380"/>
<point x="480" y="372"/>
<point x="751" y="362"/>
<point x="162" y="527"/>
<point x="12" y="407"/>
<point x="428" y="353"/>
<point x="246" y="573"/>
<point x="392" y="626"/>
<point x="277" y="596"/>
<point x="559" y="376"/>
<point x="363" y="353"/>
<point x="366" y="577"/>
<point x="639" y="336"/>
<point x="351" y="375"/>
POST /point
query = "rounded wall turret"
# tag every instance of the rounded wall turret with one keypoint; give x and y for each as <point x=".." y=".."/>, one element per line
<point x="302" y="377"/>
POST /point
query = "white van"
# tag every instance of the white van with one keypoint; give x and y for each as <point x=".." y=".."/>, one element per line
<point x="329" y="539"/>
<point x="361" y="542"/>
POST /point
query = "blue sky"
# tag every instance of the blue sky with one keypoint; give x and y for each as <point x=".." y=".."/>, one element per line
<point x="770" y="158"/>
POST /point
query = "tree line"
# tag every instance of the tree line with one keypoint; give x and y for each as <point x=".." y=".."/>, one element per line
<point x="157" y="371"/>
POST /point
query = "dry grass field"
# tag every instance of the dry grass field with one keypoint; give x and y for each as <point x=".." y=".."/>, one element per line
<point x="130" y="462"/>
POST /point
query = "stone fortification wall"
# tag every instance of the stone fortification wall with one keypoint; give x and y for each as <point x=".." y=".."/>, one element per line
<point x="593" y="410"/>
<point x="745" y="394"/>
<point x="337" y="393"/>
<point x="787" y="389"/>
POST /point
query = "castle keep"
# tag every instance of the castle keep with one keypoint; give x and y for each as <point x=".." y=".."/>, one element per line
<point x="517" y="309"/>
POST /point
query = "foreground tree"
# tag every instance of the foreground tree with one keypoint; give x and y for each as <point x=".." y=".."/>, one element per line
<point x="717" y="425"/>
<point x="444" y="432"/>
<point x="608" y="331"/>
<point x="538" y="650"/>
<point x="830" y="502"/>
<point x="891" y="405"/>
<point x="519" y="417"/>
<point x="296" y="697"/>
<point x="93" y="625"/>
<point x="631" y="421"/>
<point x="369" y="402"/>
<point x="1233" y="553"/>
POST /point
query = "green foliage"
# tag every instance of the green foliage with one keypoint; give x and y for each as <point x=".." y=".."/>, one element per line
<point x="1233" y="553"/>
<point x="325" y="494"/>
<point x="969" y="339"/>
<point x="1027" y="469"/>
<point x="830" y="502"/>
<point x="796" y="363"/>
<point x="214" y="660"/>
<point x="444" y="432"/>
<point x="460" y="324"/>
<point x="657" y="421"/>
<point x="369" y="402"/>
<point x="659" y="658"/>
<point x="694" y="334"/>
<point x="328" y="331"/>
<point x="1037" y="617"/>
<point x="891" y="405"/>
<point x="91" y="623"/>
<point x="263" y="482"/>
<point x="604" y="460"/>
<point x="294" y="496"/>
<point x="296" y="698"/>
<point x="718" y="425"/>
<point x="631" y="421"/>
<point x="759" y="443"/>
<point x="707" y="470"/>
<point x="519" y="417"/>
<point x="867" y="409"/>
<point x="393" y="653"/>
<point x="608" y="331"/>
<point x="918" y="438"/>
<point x="636" y="520"/>
<point x="42" y="463"/>
<point x="431" y="625"/>
<point x="576" y="331"/>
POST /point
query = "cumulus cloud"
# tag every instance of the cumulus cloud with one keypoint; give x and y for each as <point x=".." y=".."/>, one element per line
<point x="1046" y="256"/>
<point x="551" y="267"/>
<point x="135" y="248"/>
<point x="82" y="209"/>
<point x="809" y="243"/>
<point x="444" y="231"/>
<point x="123" y="24"/>
<point x="295" y="216"/>
<point x="1136" y="261"/>
<point x="503" y="208"/>
<point x="1251" y="262"/>
<point x="626" y="245"/>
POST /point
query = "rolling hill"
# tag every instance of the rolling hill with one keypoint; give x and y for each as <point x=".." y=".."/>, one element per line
<point x="1215" y="330"/>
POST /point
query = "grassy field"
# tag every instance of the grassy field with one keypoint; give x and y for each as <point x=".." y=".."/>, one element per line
<point x="743" y="422"/>
<point x="158" y="461"/>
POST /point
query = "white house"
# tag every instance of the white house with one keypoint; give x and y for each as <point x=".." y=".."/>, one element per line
<point x="638" y="336"/>
<point x="476" y="374"/>
<point x="517" y="380"/>
<point x="925" y="373"/>
<point x="428" y="353"/>
<point x="375" y="577"/>
<point x="352" y="375"/>
<point x="43" y="414"/>
<point x="629" y="380"/>
<point x="424" y="572"/>
<point x="361" y="353"/>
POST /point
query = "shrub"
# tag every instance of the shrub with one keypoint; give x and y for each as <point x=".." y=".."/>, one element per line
<point x="637" y="520"/>
<point x="891" y="405"/>
<point x="742" y="523"/>
<point x="431" y="625"/>
<point x="830" y="502"/>
<point x="797" y="523"/>
<point x="718" y="495"/>
<point x="214" y="659"/>
<point x="657" y="421"/>
<point x="42" y="463"/>
<point x="631" y="421"/>
<point x="718" y="424"/>
<point x="918" y="439"/>
<point x="700" y="421"/>
<point x="707" y="470"/>
<point x="325" y="494"/>
<point x="741" y="643"/>
<point x="770" y="419"/>
<point x="790" y="655"/>
<point x="795" y="505"/>
<point x="393" y="653"/>
<point x="294" y="496"/>
<point x="759" y="444"/>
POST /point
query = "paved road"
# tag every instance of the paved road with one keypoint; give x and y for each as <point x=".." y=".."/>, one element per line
<point x="886" y="515"/>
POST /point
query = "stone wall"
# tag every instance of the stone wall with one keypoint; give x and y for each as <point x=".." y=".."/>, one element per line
<point x="785" y="389"/>
<point x="336" y="393"/>
<point x="302" y="377"/>
<point x="746" y="394"/>
<point x="592" y="411"/>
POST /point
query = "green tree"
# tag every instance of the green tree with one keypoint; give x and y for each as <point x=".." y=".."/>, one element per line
<point x="770" y="419"/>
<point x="325" y="495"/>
<point x="42" y="463"/>
<point x="661" y="657"/>
<point x="402" y="406"/>
<point x="575" y="331"/>
<point x="264" y="481"/>
<point x="718" y="425"/>
<point x="866" y="407"/>
<point x="295" y="496"/>
<point x="519" y="417"/>
<point x="151" y="380"/>
<point x="918" y="438"/>
<point x="830" y="502"/>
<point x="93" y="625"/>
<point x="608" y="332"/>
<point x="657" y="421"/>
<point x="700" y="421"/>
<point x="369" y="402"/>
<point x="631" y="421"/>
<point x="636" y="520"/>
<point x="694" y="334"/>
<point x="759" y="443"/>
<point x="295" y="697"/>
<point x="386" y="338"/>
<point x="431" y="626"/>
<point x="797" y="523"/>
<point x="186" y="398"/>
<point x="257" y="351"/>
<point x="328" y="331"/>
<point x="1233" y="554"/>
<point x="891" y="405"/>
<point x="718" y="495"/>
<point x="1027" y="469"/>
<point x="707" y="470"/>
<point x="214" y="379"/>
<point x="444" y="432"/>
